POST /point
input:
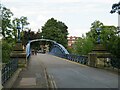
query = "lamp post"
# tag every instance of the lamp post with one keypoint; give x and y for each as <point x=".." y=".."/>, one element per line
<point x="18" y="28"/>
<point x="98" y="30"/>
<point x="42" y="36"/>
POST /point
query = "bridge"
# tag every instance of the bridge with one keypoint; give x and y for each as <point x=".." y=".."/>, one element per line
<point x="59" y="69"/>
<point x="56" y="47"/>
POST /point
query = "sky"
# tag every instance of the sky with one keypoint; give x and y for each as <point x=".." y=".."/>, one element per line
<point x="76" y="14"/>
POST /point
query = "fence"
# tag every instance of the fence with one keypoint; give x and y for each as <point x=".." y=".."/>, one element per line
<point x="75" y="58"/>
<point x="8" y="70"/>
<point x="115" y="62"/>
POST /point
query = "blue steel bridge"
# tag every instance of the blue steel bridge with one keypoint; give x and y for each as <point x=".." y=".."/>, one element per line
<point x="58" y="69"/>
<point x="56" y="47"/>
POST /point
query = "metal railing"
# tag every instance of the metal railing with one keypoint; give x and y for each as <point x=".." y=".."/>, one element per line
<point x="8" y="70"/>
<point x="115" y="62"/>
<point x="75" y="58"/>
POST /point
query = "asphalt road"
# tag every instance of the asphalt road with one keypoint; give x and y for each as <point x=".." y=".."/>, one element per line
<point x="67" y="74"/>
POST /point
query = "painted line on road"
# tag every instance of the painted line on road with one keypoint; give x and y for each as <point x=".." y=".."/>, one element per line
<point x="46" y="78"/>
<point x="52" y="82"/>
<point x="71" y="61"/>
<point x="55" y="86"/>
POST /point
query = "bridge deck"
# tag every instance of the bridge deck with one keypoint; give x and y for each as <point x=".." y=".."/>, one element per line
<point x="64" y="74"/>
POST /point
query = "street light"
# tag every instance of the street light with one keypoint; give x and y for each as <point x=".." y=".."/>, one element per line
<point x="98" y="30"/>
<point x="42" y="36"/>
<point x="18" y="28"/>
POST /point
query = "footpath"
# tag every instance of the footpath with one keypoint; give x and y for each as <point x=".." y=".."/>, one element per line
<point x="34" y="76"/>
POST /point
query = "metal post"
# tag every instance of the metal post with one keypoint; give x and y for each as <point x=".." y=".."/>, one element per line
<point x="18" y="27"/>
<point x="98" y="32"/>
<point x="42" y="36"/>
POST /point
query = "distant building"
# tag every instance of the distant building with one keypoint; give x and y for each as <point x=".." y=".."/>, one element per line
<point x="71" y="40"/>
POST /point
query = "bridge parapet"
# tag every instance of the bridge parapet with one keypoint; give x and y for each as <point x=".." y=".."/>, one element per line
<point x="74" y="58"/>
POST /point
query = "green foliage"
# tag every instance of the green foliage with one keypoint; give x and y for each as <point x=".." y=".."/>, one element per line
<point x="83" y="46"/>
<point x="23" y="21"/>
<point x="92" y="33"/>
<point x="114" y="47"/>
<point x="30" y="35"/>
<point x="108" y="38"/>
<point x="9" y="26"/>
<point x="55" y="30"/>
<point x="9" y="32"/>
<point x="115" y="8"/>
<point x="6" y="50"/>
<point x="6" y="18"/>
<point x="70" y="50"/>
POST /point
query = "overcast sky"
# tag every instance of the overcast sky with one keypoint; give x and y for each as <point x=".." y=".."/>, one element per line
<point x="76" y="14"/>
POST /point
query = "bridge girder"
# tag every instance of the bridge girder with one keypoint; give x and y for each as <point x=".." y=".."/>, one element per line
<point x="56" y="45"/>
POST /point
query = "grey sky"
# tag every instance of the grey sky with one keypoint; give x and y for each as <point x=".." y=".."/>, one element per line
<point x="76" y="14"/>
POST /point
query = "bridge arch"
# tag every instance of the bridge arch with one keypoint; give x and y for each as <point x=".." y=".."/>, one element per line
<point x="56" y="48"/>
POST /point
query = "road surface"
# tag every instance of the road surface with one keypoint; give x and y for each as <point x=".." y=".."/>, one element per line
<point x="67" y="74"/>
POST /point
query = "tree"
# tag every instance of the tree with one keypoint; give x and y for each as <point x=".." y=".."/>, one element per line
<point x="23" y="21"/>
<point x="6" y="50"/>
<point x="83" y="46"/>
<point x="14" y="28"/>
<point x="93" y="33"/>
<point x="6" y="18"/>
<point x="30" y="35"/>
<point x="9" y="32"/>
<point x="108" y="33"/>
<point x="115" y="8"/>
<point x="107" y="36"/>
<point x="55" y="30"/>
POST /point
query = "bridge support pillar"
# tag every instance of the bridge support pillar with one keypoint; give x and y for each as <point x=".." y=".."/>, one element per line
<point x="20" y="54"/>
<point x="99" y="52"/>
<point x="92" y="60"/>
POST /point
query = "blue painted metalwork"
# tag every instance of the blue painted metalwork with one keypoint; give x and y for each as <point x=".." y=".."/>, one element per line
<point x="57" y="48"/>
<point x="77" y="58"/>
<point x="28" y="51"/>
<point x="74" y="58"/>
<point x="98" y="32"/>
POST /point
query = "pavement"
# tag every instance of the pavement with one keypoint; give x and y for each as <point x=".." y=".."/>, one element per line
<point x="34" y="76"/>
